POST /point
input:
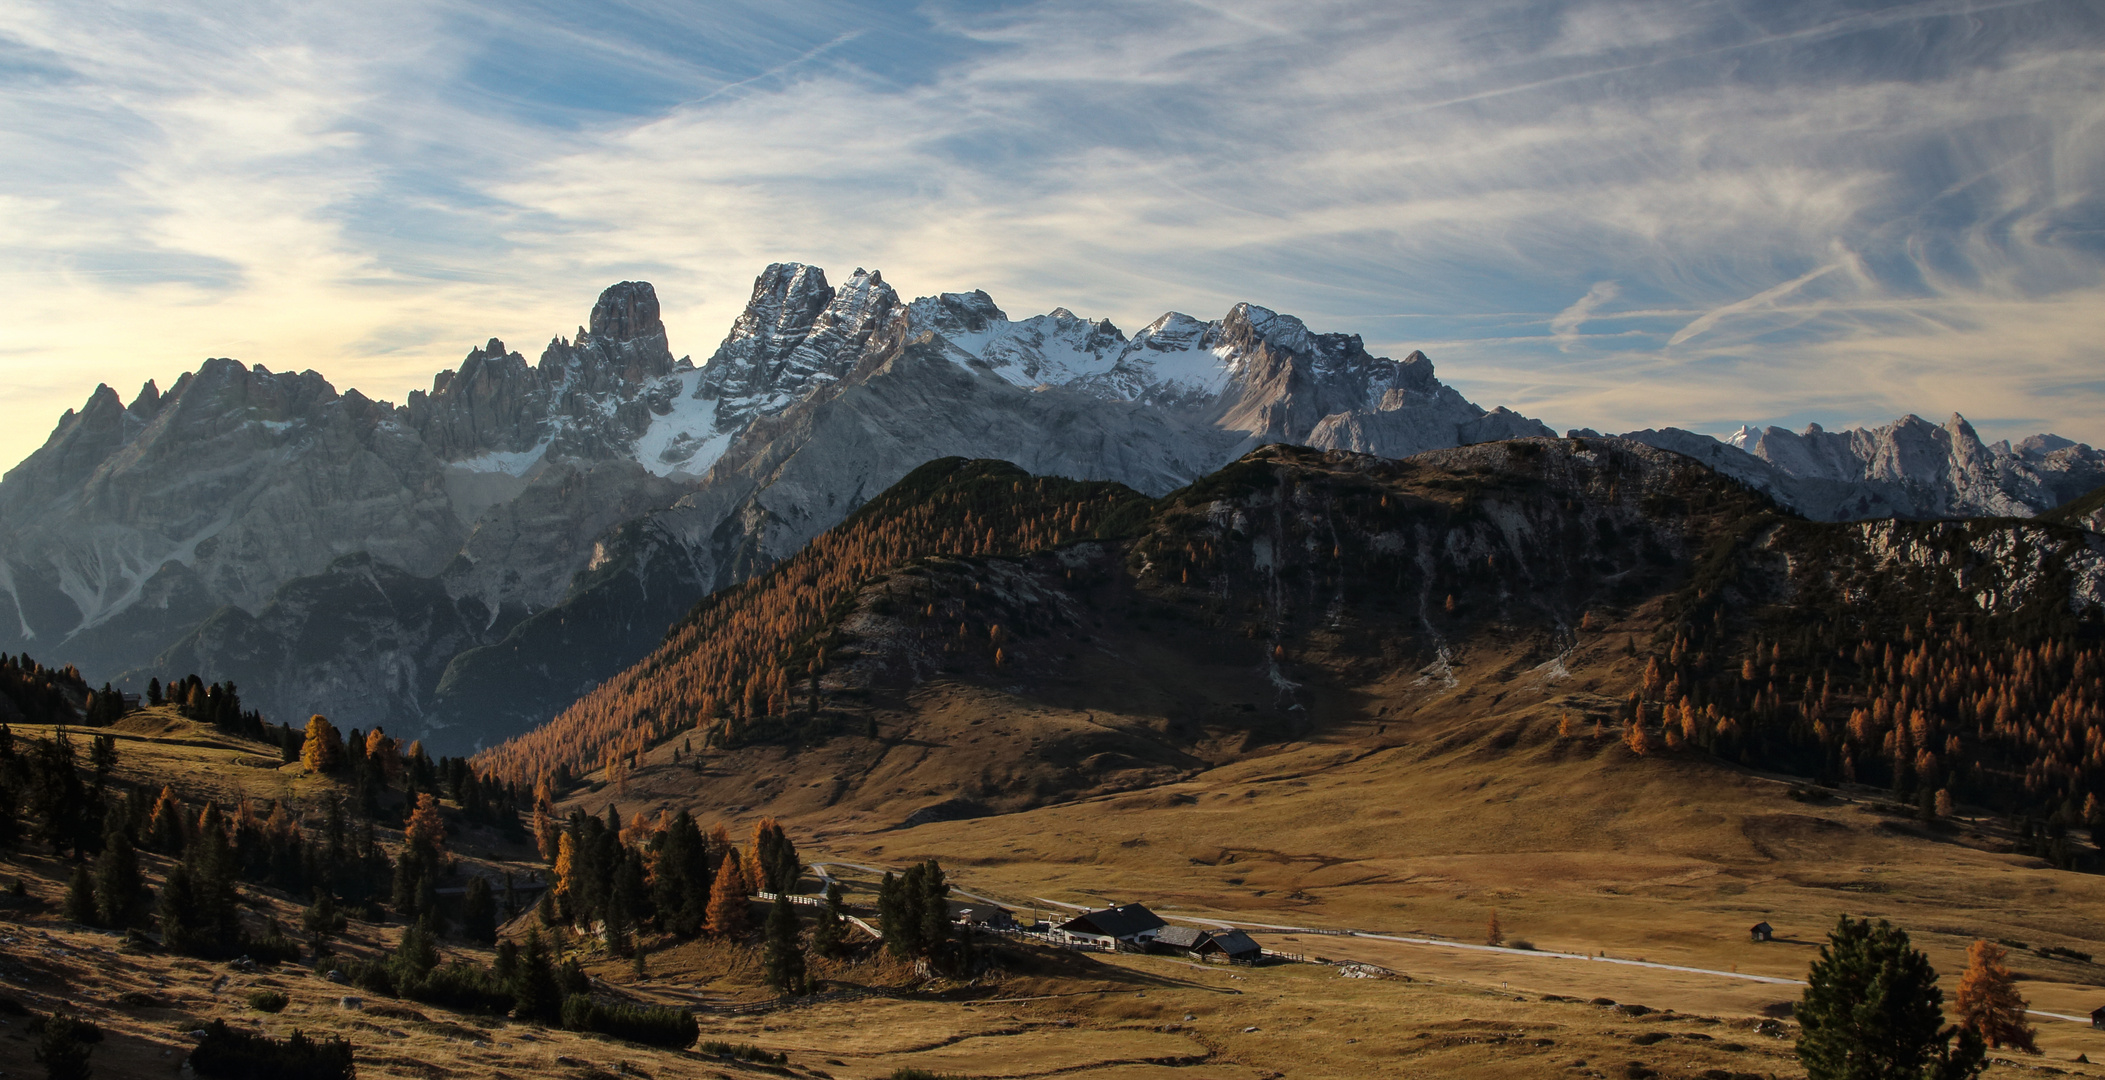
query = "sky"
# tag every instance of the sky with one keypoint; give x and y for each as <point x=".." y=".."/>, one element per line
<point x="1606" y="215"/>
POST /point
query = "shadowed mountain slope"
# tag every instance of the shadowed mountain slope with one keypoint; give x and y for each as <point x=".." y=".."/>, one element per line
<point x="1294" y="591"/>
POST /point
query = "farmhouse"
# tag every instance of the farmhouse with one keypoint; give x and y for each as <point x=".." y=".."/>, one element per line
<point x="1129" y="924"/>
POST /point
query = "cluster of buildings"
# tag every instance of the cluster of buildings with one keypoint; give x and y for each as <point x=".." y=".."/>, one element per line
<point x="1129" y="928"/>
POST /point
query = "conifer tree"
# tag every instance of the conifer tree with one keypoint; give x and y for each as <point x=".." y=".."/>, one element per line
<point x="680" y="876"/>
<point x="58" y="795"/>
<point x="120" y="890"/>
<point x="178" y="911"/>
<point x="323" y="750"/>
<point x="426" y="829"/>
<point x="10" y="818"/>
<point x="216" y="921"/>
<point x="566" y="876"/>
<point x="322" y="921"/>
<point x="1988" y="1002"/>
<point x="534" y="991"/>
<point x="628" y="900"/>
<point x="727" y="899"/>
<point x="785" y="956"/>
<point x="164" y="830"/>
<point x="416" y="954"/>
<point x="829" y="932"/>
<point x="65" y="1043"/>
<point x="1872" y="1011"/>
<point x="80" y="896"/>
<point x="478" y="921"/>
<point x="935" y="908"/>
<point x="1493" y="933"/>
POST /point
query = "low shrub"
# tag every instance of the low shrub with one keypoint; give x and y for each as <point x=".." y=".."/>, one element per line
<point x="743" y="1052"/>
<point x="461" y="987"/>
<point x="64" y="1044"/>
<point x="649" y="1025"/>
<point x="908" y="1072"/>
<point x="376" y="976"/>
<point x="274" y="947"/>
<point x="269" y="1001"/>
<point x="226" y="1054"/>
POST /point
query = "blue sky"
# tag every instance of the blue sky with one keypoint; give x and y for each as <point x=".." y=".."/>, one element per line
<point x="1611" y="215"/>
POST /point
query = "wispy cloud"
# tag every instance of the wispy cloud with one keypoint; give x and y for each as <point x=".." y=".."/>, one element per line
<point x="1564" y="325"/>
<point x="1766" y="213"/>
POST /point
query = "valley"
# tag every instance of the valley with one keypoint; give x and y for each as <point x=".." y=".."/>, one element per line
<point x="1585" y="697"/>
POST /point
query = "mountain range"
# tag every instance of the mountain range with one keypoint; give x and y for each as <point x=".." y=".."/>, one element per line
<point x="462" y="566"/>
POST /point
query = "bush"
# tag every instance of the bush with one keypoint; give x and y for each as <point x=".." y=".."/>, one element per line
<point x="907" y="1072"/>
<point x="651" y="1026"/>
<point x="463" y="988"/>
<point x="743" y="1052"/>
<point x="274" y="947"/>
<point x="269" y="1001"/>
<point x="371" y="975"/>
<point x="64" y="1044"/>
<point x="227" y="1054"/>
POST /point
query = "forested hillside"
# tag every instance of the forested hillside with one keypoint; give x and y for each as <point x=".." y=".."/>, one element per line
<point x="1957" y="658"/>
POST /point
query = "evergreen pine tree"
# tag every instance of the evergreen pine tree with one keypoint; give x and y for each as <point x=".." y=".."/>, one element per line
<point x="1988" y="1002"/>
<point x="506" y="964"/>
<point x="534" y="990"/>
<point x="934" y="909"/>
<point x="210" y="860"/>
<point x="80" y="896"/>
<point x="478" y="921"/>
<point x="900" y="929"/>
<point x="784" y="955"/>
<point x="1872" y="1011"/>
<point x="10" y="818"/>
<point x="178" y="912"/>
<point x="102" y="755"/>
<point x="416" y="954"/>
<point x="120" y="889"/>
<point x="322" y="921"/>
<point x="65" y="1043"/>
<point x="57" y="793"/>
<point x="829" y="933"/>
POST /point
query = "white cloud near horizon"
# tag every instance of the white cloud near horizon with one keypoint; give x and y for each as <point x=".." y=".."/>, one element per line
<point x="1767" y="213"/>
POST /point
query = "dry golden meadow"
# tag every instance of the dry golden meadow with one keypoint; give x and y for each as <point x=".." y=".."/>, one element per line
<point x="1418" y="812"/>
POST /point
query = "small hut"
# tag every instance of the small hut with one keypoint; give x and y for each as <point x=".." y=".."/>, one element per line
<point x="2097" y="1017"/>
<point x="1178" y="939"/>
<point x="1761" y="931"/>
<point x="987" y="918"/>
<point x="1233" y="946"/>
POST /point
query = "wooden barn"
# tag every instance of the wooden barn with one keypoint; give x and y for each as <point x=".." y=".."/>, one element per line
<point x="1233" y="946"/>
<point x="1178" y="940"/>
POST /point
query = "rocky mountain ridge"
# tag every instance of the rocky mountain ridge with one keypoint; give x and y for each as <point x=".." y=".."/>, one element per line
<point x="1294" y="594"/>
<point x="463" y="565"/>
